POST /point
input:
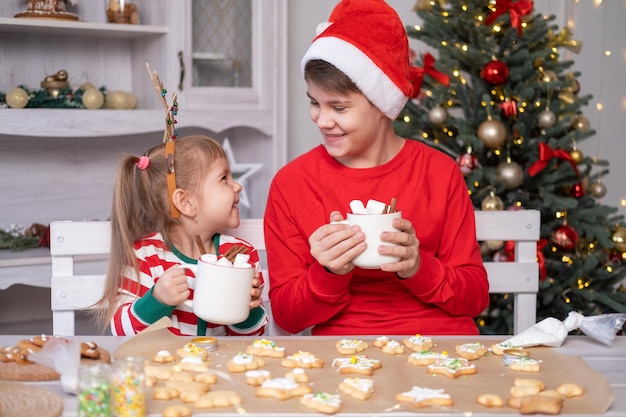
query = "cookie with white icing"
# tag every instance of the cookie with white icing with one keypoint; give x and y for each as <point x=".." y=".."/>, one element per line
<point x="418" y="343"/>
<point x="242" y="362"/>
<point x="471" y="351"/>
<point x="452" y="367"/>
<point x="424" y="397"/>
<point x="351" y="346"/>
<point x="302" y="359"/>
<point x="357" y="364"/>
<point x="322" y="402"/>
<point x="359" y="388"/>
<point x="265" y="347"/>
<point x="282" y="389"/>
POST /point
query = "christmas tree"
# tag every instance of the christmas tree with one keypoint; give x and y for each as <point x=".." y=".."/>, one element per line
<point x="501" y="101"/>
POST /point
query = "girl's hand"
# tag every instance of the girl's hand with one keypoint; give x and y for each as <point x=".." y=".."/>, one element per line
<point x="255" y="292"/>
<point x="334" y="246"/>
<point x="408" y="251"/>
<point x="172" y="288"/>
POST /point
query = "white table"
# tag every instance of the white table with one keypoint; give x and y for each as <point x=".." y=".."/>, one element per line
<point x="609" y="361"/>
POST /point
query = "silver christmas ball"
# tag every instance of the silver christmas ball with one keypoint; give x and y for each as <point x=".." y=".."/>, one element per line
<point x="511" y="174"/>
<point x="597" y="189"/>
<point x="437" y="115"/>
<point x="492" y="133"/>
<point x="546" y="119"/>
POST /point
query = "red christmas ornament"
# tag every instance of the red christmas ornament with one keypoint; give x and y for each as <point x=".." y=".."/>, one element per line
<point x="565" y="237"/>
<point x="495" y="72"/>
<point x="467" y="162"/>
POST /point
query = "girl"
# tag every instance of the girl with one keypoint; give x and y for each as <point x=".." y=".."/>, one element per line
<point x="156" y="215"/>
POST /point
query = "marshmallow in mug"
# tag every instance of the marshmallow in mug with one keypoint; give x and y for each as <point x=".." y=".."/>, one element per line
<point x="372" y="207"/>
<point x="240" y="261"/>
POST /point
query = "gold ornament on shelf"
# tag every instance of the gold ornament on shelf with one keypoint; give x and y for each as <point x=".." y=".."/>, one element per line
<point x="17" y="98"/>
<point x="93" y="98"/>
<point x="54" y="83"/>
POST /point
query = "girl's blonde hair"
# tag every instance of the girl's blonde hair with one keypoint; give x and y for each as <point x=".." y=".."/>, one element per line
<point x="141" y="205"/>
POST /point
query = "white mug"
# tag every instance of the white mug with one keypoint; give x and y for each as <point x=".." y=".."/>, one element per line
<point x="222" y="293"/>
<point x="372" y="225"/>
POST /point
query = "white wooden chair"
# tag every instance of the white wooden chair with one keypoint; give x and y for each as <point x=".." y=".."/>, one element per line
<point x="78" y="246"/>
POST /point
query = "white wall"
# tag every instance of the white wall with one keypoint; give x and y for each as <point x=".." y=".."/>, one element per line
<point x="598" y="26"/>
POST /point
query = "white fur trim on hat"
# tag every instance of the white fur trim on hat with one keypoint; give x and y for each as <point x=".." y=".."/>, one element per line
<point x="371" y="80"/>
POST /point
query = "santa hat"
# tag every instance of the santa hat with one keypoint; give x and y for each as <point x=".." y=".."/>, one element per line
<point x="366" y="40"/>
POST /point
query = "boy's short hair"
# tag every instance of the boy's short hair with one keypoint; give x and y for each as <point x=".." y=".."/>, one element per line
<point x="328" y="77"/>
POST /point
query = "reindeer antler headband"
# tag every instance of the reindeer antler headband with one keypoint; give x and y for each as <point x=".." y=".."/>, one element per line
<point x="169" y="135"/>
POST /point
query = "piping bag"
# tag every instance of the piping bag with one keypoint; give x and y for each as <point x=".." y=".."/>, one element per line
<point x="62" y="355"/>
<point x="552" y="332"/>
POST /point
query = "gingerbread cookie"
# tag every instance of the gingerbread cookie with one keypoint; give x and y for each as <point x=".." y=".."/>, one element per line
<point x="282" y="389"/>
<point x="302" y="359"/>
<point x="264" y="347"/>
<point x="471" y="351"/>
<point x="490" y="400"/>
<point x="322" y="402"/>
<point x="418" y="343"/>
<point x="359" y="388"/>
<point x="425" y="397"/>
<point x="242" y="362"/>
<point x="351" y="346"/>
<point x="219" y="398"/>
<point x="451" y="367"/>
<point x="425" y="357"/>
<point x="357" y="364"/>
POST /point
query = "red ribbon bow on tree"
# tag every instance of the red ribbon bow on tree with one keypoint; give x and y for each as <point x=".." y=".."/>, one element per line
<point x="416" y="74"/>
<point x="546" y="153"/>
<point x="516" y="11"/>
<point x="508" y="107"/>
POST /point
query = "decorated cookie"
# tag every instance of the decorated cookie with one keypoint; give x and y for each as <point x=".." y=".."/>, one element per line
<point x="359" y="388"/>
<point x="218" y="398"/>
<point x="242" y="362"/>
<point x="192" y="352"/>
<point x="282" y="389"/>
<point x="389" y="346"/>
<point x="298" y="375"/>
<point x="163" y="356"/>
<point x="426" y="357"/>
<point x="425" y="397"/>
<point x="351" y="346"/>
<point x="302" y="359"/>
<point x="418" y="343"/>
<point x="471" y="351"/>
<point x="256" y="377"/>
<point x="322" y="402"/>
<point x="525" y="365"/>
<point x="264" y="347"/>
<point x="499" y="348"/>
<point x="357" y="364"/>
<point x="451" y="367"/>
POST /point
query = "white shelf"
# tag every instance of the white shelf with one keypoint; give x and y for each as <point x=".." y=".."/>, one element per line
<point x="78" y="28"/>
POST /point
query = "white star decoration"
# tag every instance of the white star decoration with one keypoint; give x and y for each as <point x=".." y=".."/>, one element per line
<point x="241" y="172"/>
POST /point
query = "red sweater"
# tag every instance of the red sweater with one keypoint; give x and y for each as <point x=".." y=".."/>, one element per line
<point x="448" y="290"/>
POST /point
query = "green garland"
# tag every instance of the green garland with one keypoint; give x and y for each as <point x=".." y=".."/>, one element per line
<point x="67" y="99"/>
<point x="15" y="240"/>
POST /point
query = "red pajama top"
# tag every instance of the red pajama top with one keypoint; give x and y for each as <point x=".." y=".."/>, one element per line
<point x="136" y="312"/>
<point x="447" y="292"/>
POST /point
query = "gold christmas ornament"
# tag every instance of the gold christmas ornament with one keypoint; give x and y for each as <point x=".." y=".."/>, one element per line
<point x="17" y="98"/>
<point x="492" y="202"/>
<point x="494" y="245"/>
<point x="492" y="133"/>
<point x="582" y="124"/>
<point x="437" y="115"/>
<point x="119" y="100"/>
<point x="576" y="155"/>
<point x="510" y="173"/>
<point x="86" y="86"/>
<point x="93" y="98"/>
<point x="547" y="76"/>
<point x="598" y="189"/>
<point x="546" y="119"/>
<point x="619" y="239"/>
